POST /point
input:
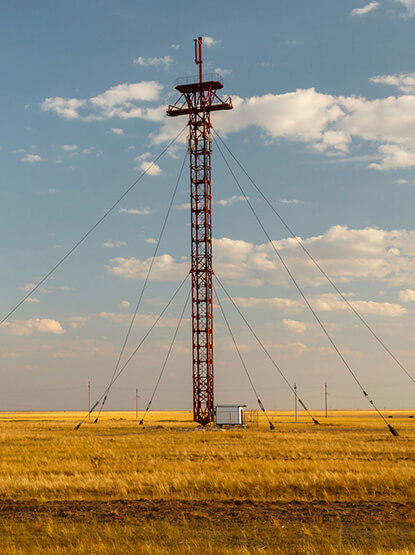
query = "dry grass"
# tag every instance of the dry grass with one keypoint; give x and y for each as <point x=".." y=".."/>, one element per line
<point x="52" y="537"/>
<point x="351" y="457"/>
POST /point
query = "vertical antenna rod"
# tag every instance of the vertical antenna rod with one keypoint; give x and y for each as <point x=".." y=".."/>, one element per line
<point x="89" y="401"/>
<point x="198" y="99"/>
<point x="198" y="57"/>
<point x="295" y="401"/>
<point x="136" y="404"/>
<point x="325" y="398"/>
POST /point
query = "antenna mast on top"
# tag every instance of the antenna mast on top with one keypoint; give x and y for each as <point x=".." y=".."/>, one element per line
<point x="198" y="57"/>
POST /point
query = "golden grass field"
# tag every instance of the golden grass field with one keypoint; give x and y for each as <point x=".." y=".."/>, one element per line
<point x="346" y="486"/>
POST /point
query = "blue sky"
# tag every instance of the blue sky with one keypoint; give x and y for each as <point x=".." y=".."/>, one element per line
<point x="324" y="120"/>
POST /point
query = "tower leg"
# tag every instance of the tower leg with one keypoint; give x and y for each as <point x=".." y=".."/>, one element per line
<point x="201" y="255"/>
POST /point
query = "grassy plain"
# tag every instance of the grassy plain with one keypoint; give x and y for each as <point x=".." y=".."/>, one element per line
<point x="346" y="486"/>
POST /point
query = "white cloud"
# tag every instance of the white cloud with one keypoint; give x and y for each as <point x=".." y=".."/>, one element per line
<point x="291" y="201"/>
<point x="28" y="327"/>
<point x="294" y="326"/>
<point x="323" y="303"/>
<point x="231" y="200"/>
<point x="409" y="5"/>
<point x="117" y="130"/>
<point x="136" y="211"/>
<point x="31" y="158"/>
<point x="67" y="108"/>
<point x="114" y="317"/>
<point x="29" y="286"/>
<point x="365" y="9"/>
<point x="79" y="321"/>
<point x="123" y="305"/>
<point x="223" y="72"/>
<point x="405" y="82"/>
<point x="301" y="115"/>
<point x="142" y="163"/>
<point x="183" y="206"/>
<point x="113" y="244"/>
<point x="210" y="41"/>
<point x="165" y="268"/>
<point x="347" y="255"/>
<point x="273" y="302"/>
<point x="401" y="181"/>
<point x="150" y="240"/>
<point x="407" y="295"/>
<point x="175" y="46"/>
<point x="333" y="141"/>
<point x="69" y="148"/>
<point x="304" y="115"/>
<point x="389" y="121"/>
<point x="331" y="302"/>
<point x="145" y="320"/>
<point x="149" y="167"/>
<point x="326" y="123"/>
<point x="164" y="61"/>
<point x="32" y="300"/>
<point x="88" y="150"/>
<point x="394" y="156"/>
<point x="293" y="349"/>
<point x="120" y="101"/>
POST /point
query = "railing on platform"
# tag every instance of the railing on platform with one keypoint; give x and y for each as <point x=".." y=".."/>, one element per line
<point x="216" y="77"/>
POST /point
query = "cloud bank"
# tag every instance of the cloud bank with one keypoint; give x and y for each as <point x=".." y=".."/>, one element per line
<point x="325" y="123"/>
<point x="347" y="255"/>
<point x="121" y="101"/>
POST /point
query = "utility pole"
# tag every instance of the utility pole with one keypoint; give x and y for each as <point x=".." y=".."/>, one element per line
<point x="325" y="397"/>
<point x="295" y="401"/>
<point x="89" y="401"/>
<point x="198" y="99"/>
<point x="136" y="404"/>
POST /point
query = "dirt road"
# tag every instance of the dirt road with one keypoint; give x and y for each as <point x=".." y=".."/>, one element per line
<point x="237" y="511"/>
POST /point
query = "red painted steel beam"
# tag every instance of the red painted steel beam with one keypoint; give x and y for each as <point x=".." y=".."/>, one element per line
<point x="197" y="101"/>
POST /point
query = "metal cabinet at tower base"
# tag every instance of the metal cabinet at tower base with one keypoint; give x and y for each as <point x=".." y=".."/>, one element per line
<point x="230" y="415"/>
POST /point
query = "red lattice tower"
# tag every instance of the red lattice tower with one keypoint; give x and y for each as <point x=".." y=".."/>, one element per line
<point x="198" y="99"/>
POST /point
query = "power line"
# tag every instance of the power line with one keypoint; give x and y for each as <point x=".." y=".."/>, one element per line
<point x="82" y="239"/>
<point x="261" y="406"/>
<point x="293" y="389"/>
<point x="323" y="272"/>
<point x="120" y="371"/>
<point x="163" y="227"/>
<point x="299" y="289"/>
<point x="166" y="359"/>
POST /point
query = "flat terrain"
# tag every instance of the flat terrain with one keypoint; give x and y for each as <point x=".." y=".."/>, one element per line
<point x="346" y="486"/>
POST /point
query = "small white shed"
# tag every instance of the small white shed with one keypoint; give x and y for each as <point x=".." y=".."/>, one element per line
<point x="230" y="415"/>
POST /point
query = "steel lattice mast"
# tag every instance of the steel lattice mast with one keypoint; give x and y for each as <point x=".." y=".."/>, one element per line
<point x="198" y="99"/>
